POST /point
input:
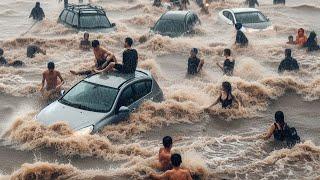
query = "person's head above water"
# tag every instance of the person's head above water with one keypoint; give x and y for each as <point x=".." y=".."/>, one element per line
<point x="176" y="160"/>
<point x="86" y="36"/>
<point x="37" y="4"/>
<point x="279" y="117"/>
<point x="128" y="42"/>
<point x="227" y="52"/>
<point x="1" y="52"/>
<point x="51" y="66"/>
<point x="290" y="38"/>
<point x="226" y="87"/>
<point x="301" y="32"/>
<point x="238" y="26"/>
<point x="95" y="43"/>
<point x="312" y="35"/>
<point x="194" y="52"/>
<point x="287" y="53"/>
<point x="167" y="142"/>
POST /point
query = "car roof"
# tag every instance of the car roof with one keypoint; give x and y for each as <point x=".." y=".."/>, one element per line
<point x="242" y="10"/>
<point x="175" y="15"/>
<point x="85" y="9"/>
<point x="117" y="79"/>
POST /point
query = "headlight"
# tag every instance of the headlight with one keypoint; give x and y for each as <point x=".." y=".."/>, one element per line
<point x="85" y="131"/>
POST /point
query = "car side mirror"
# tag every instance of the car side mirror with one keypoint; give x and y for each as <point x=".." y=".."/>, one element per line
<point x="113" y="24"/>
<point x="62" y="92"/>
<point x="124" y="110"/>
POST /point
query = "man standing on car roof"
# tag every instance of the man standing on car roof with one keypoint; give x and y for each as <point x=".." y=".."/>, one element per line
<point x="252" y="3"/>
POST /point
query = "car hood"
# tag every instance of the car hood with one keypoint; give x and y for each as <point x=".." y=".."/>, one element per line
<point x="75" y="118"/>
<point x="263" y="25"/>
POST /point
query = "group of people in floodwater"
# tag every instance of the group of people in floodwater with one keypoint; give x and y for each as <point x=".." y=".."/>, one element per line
<point x="105" y="61"/>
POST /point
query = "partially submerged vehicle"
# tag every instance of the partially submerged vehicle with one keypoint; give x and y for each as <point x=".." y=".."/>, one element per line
<point x="100" y="100"/>
<point x="250" y="18"/>
<point x="85" y="17"/>
<point x="176" y="23"/>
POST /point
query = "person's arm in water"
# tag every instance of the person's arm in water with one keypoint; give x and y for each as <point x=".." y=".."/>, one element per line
<point x="281" y="67"/>
<point x="220" y="66"/>
<point x="159" y="176"/>
<point x="200" y="65"/>
<point x="44" y="52"/>
<point x="267" y="135"/>
<point x="32" y="12"/>
<point x="61" y="79"/>
<point x="236" y="100"/>
<point x="189" y="175"/>
<point x="43" y="81"/>
<point x="216" y="102"/>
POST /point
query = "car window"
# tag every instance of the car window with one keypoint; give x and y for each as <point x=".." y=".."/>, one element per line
<point x="142" y="88"/>
<point x="126" y="97"/>
<point x="75" y="20"/>
<point x="169" y="26"/>
<point x="64" y="15"/>
<point x="91" y="97"/>
<point x="250" y="17"/>
<point x="93" y="21"/>
<point x="70" y="17"/>
<point x="228" y="15"/>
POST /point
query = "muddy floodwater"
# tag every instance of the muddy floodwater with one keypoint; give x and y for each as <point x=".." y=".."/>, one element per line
<point x="215" y="144"/>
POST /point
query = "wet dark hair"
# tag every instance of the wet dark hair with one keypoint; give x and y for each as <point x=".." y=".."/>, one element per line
<point x="279" y="118"/>
<point x="301" y="30"/>
<point x="1" y="52"/>
<point x="37" y="3"/>
<point x="290" y="37"/>
<point x="238" y="26"/>
<point x="195" y="50"/>
<point x="85" y="34"/>
<point x="227" y="87"/>
<point x="176" y="160"/>
<point x="167" y="141"/>
<point x="129" y="41"/>
<point x="227" y="52"/>
<point x="95" y="43"/>
<point x="287" y="52"/>
<point x="51" y="65"/>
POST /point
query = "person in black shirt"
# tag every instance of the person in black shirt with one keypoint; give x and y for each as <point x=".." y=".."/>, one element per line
<point x="194" y="63"/>
<point x="85" y="43"/>
<point x="129" y="60"/>
<point x="37" y="12"/>
<point x="241" y="38"/>
<point x="289" y="63"/>
<point x="252" y="3"/>
<point x="34" y="49"/>
<point x="312" y="44"/>
<point x="228" y="65"/>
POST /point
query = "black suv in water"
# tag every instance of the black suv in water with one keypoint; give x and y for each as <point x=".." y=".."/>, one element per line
<point x="176" y="23"/>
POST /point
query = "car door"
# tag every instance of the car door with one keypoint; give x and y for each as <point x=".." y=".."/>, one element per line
<point x="142" y="92"/>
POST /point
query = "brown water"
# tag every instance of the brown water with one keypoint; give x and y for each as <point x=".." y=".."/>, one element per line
<point x="215" y="145"/>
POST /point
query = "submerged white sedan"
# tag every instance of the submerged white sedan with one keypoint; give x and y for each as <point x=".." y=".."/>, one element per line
<point x="250" y="18"/>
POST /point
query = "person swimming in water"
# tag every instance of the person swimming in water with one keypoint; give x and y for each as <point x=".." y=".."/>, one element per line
<point x="241" y="38"/>
<point x="228" y="65"/>
<point x="194" y="63"/>
<point x="51" y="85"/>
<point x="34" y="49"/>
<point x="103" y="58"/>
<point x="85" y="44"/>
<point x="177" y="173"/>
<point x="301" y="38"/>
<point x="289" y="63"/>
<point x="165" y="154"/>
<point x="129" y="60"/>
<point x="226" y="98"/>
<point x="290" y="40"/>
<point x="37" y="12"/>
<point x="312" y="44"/>
<point x="4" y="61"/>
<point x="252" y="3"/>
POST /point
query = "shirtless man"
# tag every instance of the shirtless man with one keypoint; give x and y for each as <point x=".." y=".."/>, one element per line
<point x="165" y="154"/>
<point x="177" y="173"/>
<point x="103" y="58"/>
<point x="50" y="79"/>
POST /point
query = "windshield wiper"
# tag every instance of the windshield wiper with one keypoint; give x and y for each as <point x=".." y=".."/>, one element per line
<point x="75" y="105"/>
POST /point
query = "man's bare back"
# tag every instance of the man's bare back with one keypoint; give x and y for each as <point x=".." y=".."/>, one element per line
<point x="178" y="174"/>
<point x="164" y="159"/>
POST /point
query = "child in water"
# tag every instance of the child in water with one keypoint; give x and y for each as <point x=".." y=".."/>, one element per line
<point x="290" y="40"/>
<point x="165" y="154"/>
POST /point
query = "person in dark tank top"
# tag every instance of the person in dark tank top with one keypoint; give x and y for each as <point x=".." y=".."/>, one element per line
<point x="226" y="98"/>
<point x="228" y="65"/>
<point x="194" y="63"/>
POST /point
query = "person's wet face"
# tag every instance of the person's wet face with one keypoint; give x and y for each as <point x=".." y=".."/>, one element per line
<point x="51" y="66"/>
<point x="290" y="38"/>
<point x="300" y="32"/>
<point x="86" y="36"/>
<point x="193" y="54"/>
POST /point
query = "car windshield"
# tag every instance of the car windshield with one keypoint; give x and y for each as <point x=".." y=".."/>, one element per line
<point x="250" y="17"/>
<point x="90" y="97"/>
<point x="169" y="26"/>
